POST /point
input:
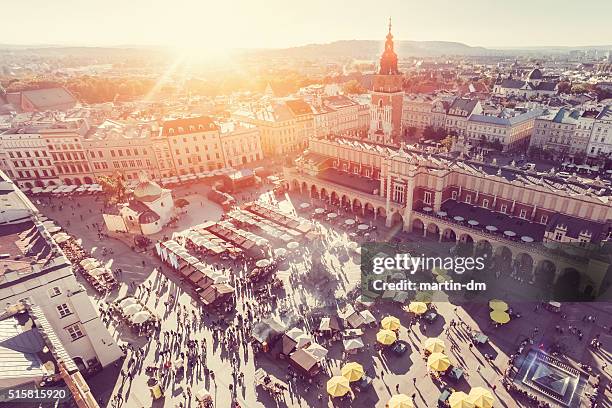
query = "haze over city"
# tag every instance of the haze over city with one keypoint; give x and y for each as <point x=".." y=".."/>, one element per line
<point x="211" y="25"/>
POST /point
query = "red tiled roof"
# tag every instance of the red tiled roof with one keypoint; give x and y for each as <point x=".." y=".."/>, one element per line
<point x="298" y="107"/>
<point x="188" y="125"/>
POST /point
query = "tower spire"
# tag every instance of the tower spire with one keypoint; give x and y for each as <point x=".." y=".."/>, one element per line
<point x="389" y="25"/>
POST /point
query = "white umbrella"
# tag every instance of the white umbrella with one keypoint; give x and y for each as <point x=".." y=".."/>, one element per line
<point x="127" y="302"/>
<point x="96" y="271"/>
<point x="510" y="233"/>
<point x="458" y="218"/>
<point x="92" y="265"/>
<point x="262" y="263"/>
<point x="353" y="344"/>
<point x="526" y="239"/>
<point x="363" y="227"/>
<point x="54" y="229"/>
<point x="332" y="215"/>
<point x="280" y="252"/>
<point x="304" y="205"/>
<point x="473" y="222"/>
<point x="202" y="394"/>
<point x="349" y="222"/>
<point x="427" y="209"/>
<point x="319" y="211"/>
<point x="442" y="213"/>
<point x="141" y="317"/>
<point x="293" y="245"/>
<point x="353" y="245"/>
<point x="368" y="317"/>
<point x="87" y="261"/>
<point x="132" y="309"/>
<point x="61" y="238"/>
<point x="491" y="228"/>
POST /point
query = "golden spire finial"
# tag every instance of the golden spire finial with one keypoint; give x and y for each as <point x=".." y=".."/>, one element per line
<point x="389" y="25"/>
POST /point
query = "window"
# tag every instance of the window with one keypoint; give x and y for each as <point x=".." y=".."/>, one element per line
<point x="558" y="236"/>
<point x="485" y="203"/>
<point x="55" y="291"/>
<point x="75" y="332"/>
<point x="544" y="219"/>
<point x="398" y="194"/>
<point x="468" y="199"/>
<point x="63" y="310"/>
<point x="427" y="197"/>
<point x="503" y="209"/>
<point x="523" y="214"/>
<point x="454" y="195"/>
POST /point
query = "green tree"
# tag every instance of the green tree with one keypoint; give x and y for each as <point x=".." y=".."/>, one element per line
<point x="564" y="87"/>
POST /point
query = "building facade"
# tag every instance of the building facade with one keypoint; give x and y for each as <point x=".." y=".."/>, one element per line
<point x="116" y="148"/>
<point x="600" y="143"/>
<point x="510" y="130"/>
<point x="36" y="270"/>
<point x="436" y="195"/>
<point x="241" y="144"/>
<point x="28" y="158"/>
<point x="194" y="144"/>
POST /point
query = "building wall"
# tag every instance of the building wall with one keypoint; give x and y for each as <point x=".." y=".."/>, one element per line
<point x="196" y="151"/>
<point x="29" y="159"/>
<point x="241" y="146"/>
<point x="78" y="326"/>
<point x="69" y="156"/>
<point x="120" y="155"/>
<point x="600" y="142"/>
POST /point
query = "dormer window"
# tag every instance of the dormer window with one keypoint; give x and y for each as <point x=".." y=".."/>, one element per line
<point x="171" y="131"/>
<point x="191" y="128"/>
<point x="200" y="127"/>
<point x="180" y="129"/>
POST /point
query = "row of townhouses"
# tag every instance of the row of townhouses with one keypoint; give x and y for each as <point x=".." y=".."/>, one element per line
<point x="578" y="131"/>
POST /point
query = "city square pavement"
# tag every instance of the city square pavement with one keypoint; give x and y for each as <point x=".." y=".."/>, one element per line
<point x="392" y="373"/>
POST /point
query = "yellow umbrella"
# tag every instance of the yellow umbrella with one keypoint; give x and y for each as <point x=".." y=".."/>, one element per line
<point x="481" y="397"/>
<point x="417" y="307"/>
<point x="438" y="362"/>
<point x="442" y="278"/>
<point x="352" y="371"/>
<point x="460" y="400"/>
<point x="497" y="304"/>
<point x="499" y="316"/>
<point x="400" y="401"/>
<point x="338" y="386"/>
<point x="434" y="345"/>
<point x="424" y="297"/>
<point x="386" y="337"/>
<point x="390" y="323"/>
<point x="438" y="271"/>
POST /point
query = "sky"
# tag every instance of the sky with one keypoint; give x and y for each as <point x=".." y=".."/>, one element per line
<point x="227" y="24"/>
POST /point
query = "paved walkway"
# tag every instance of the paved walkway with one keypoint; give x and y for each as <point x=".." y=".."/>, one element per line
<point x="406" y="373"/>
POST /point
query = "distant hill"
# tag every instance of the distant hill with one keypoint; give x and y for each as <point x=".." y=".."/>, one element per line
<point x="369" y="49"/>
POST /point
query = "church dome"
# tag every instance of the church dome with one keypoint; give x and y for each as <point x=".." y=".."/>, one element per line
<point x="147" y="191"/>
<point x="535" y="74"/>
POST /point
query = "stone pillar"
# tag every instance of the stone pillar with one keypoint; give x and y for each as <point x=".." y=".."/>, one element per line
<point x="437" y="204"/>
<point x="408" y="209"/>
<point x="388" y="202"/>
